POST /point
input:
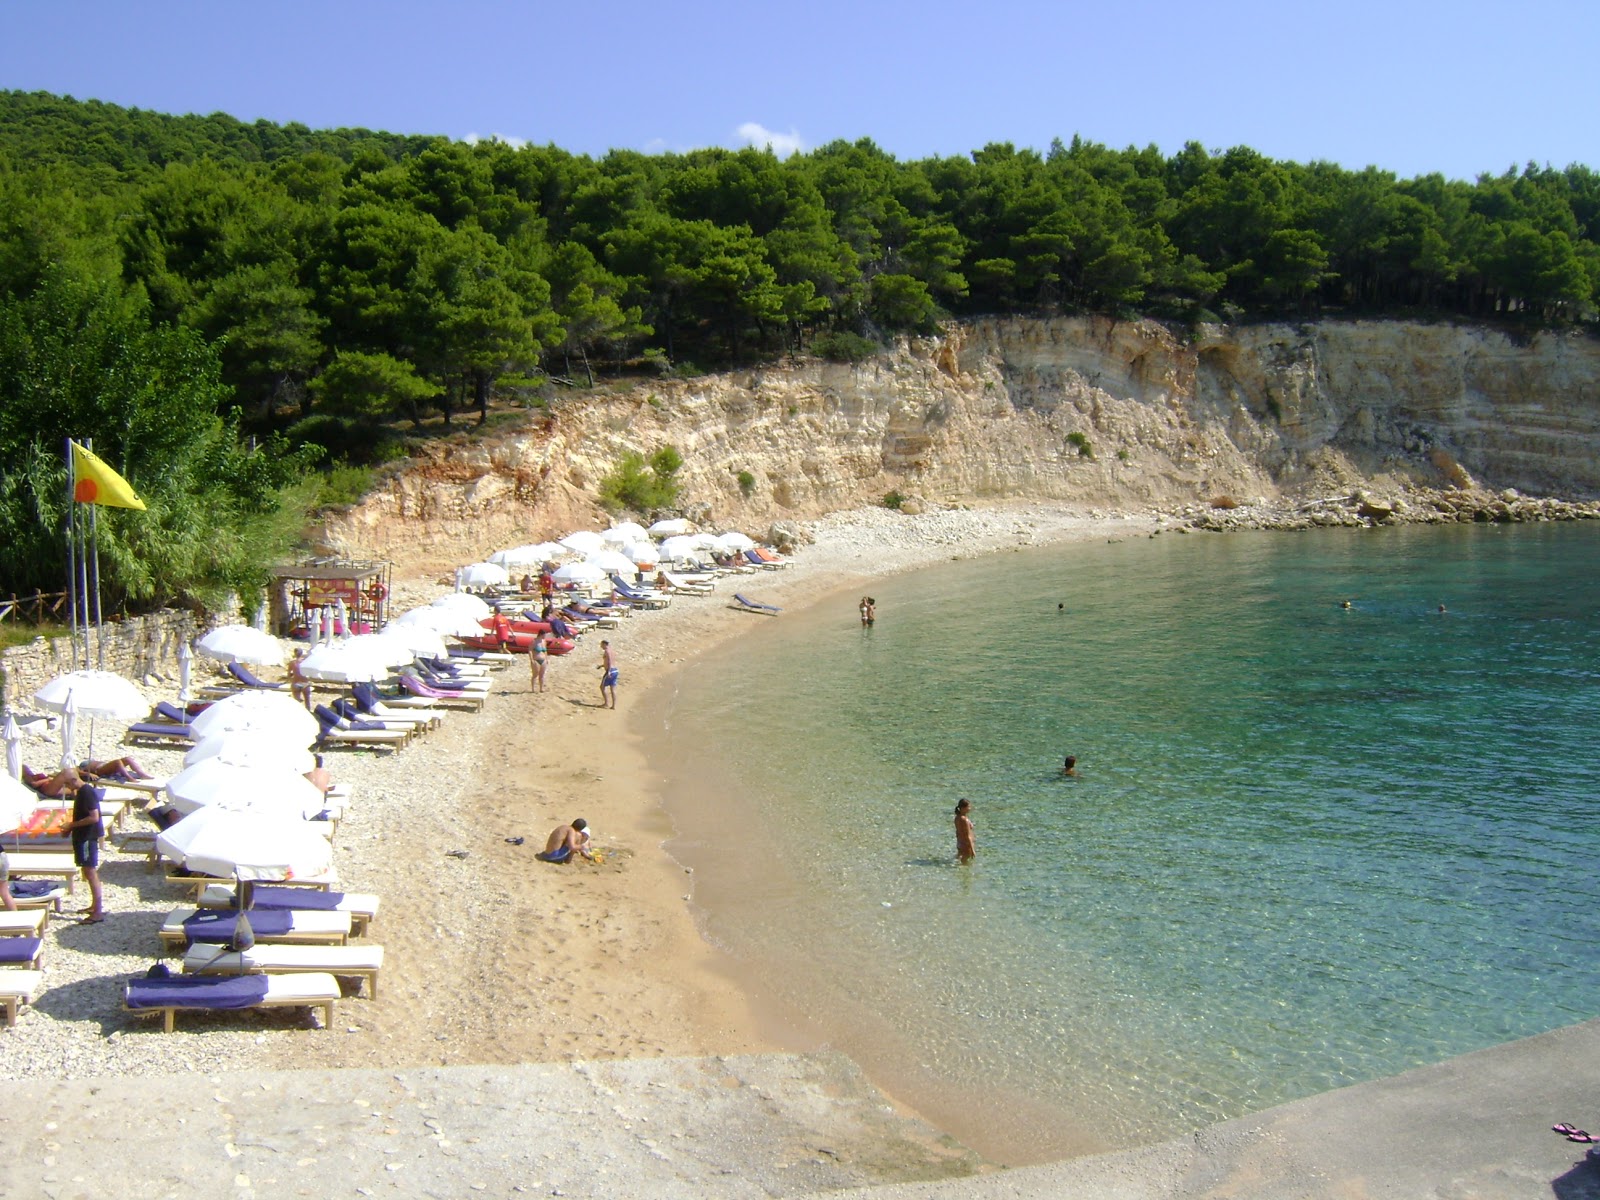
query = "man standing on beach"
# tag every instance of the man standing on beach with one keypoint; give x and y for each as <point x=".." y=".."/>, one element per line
<point x="608" y="677"/>
<point x="966" y="845"/>
<point x="86" y="834"/>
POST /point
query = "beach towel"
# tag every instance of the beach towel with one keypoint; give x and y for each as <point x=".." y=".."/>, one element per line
<point x="197" y="991"/>
<point x="217" y="926"/>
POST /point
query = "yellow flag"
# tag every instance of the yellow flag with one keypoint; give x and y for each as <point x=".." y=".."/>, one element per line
<point x="95" y="483"/>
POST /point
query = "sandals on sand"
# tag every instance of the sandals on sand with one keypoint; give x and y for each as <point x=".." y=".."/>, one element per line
<point x="1574" y="1134"/>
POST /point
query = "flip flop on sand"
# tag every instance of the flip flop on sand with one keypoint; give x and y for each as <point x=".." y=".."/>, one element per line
<point x="1564" y="1128"/>
<point x="1579" y="1135"/>
<point x="97" y="920"/>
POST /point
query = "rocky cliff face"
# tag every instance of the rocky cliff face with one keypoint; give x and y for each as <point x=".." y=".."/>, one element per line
<point x="1088" y="410"/>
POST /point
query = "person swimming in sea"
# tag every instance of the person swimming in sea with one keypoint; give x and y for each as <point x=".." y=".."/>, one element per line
<point x="1070" y="766"/>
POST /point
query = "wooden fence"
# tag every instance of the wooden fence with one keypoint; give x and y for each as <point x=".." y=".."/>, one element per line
<point x="35" y="609"/>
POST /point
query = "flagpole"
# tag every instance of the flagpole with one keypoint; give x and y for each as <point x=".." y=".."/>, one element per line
<point x="72" y="561"/>
<point x="99" y="619"/>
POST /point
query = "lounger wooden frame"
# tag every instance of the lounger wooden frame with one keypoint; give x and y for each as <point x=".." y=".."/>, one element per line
<point x="309" y="990"/>
<point x="16" y="989"/>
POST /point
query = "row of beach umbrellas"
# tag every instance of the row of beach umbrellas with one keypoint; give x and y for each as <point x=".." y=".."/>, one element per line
<point x="625" y="547"/>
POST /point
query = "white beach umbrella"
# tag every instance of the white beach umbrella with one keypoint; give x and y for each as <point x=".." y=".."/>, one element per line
<point x="341" y="618"/>
<point x="581" y="573"/>
<point x="585" y="541"/>
<point x="446" y="622"/>
<point x="624" y="533"/>
<point x="259" y="621"/>
<point x="642" y="554"/>
<point x="518" y="558"/>
<point x="356" y="660"/>
<point x="17" y="802"/>
<point x="328" y="627"/>
<point x="94" y="694"/>
<point x="185" y="671"/>
<point x="13" y="736"/>
<point x="273" y="713"/>
<point x="252" y="748"/>
<point x="69" y="731"/>
<point x="553" y="552"/>
<point x="218" y="782"/>
<point x="246" y="845"/>
<point x="415" y="639"/>
<point x="681" y="546"/>
<point x="612" y="560"/>
<point x="241" y="643"/>
<point x="484" y="574"/>
<point x="313" y="629"/>
<point x="736" y="542"/>
<point x="670" y="527"/>
<point x="474" y="606"/>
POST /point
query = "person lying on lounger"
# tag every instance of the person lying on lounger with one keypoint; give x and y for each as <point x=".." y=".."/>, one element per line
<point x="567" y="840"/>
<point x="68" y="780"/>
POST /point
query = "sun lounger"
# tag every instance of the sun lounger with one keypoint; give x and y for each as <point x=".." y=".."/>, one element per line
<point x="416" y="721"/>
<point x="37" y="893"/>
<point x="18" y="988"/>
<point x="362" y="907"/>
<point x="46" y="864"/>
<point x="762" y="557"/>
<point x="446" y="699"/>
<point x="641" y="596"/>
<point x="158" y="733"/>
<point x="745" y="604"/>
<point x="338" y="732"/>
<point x="20" y="952"/>
<point x="216" y="926"/>
<point x="696" y="586"/>
<point x="359" y="962"/>
<point x="450" y="683"/>
<point x="196" y="882"/>
<point x="245" y="676"/>
<point x="493" y="659"/>
<point x="23" y="922"/>
<point x="195" y="993"/>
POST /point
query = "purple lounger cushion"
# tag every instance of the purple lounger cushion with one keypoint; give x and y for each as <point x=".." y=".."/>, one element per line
<point x="158" y="729"/>
<point x="217" y="925"/>
<point x="269" y="898"/>
<point x="197" y="991"/>
<point x="18" y="949"/>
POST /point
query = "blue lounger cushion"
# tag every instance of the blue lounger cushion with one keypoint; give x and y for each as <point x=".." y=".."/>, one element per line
<point x="161" y="729"/>
<point x="268" y="898"/>
<point x="217" y="925"/>
<point x="15" y="950"/>
<point x="748" y="603"/>
<point x="197" y="991"/>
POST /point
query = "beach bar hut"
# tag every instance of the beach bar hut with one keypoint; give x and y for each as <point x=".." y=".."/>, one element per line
<point x="302" y="592"/>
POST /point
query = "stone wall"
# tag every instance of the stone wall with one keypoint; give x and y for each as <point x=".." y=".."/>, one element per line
<point x="144" y="649"/>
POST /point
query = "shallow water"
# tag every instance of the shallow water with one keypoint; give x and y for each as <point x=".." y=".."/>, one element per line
<point x="1309" y="845"/>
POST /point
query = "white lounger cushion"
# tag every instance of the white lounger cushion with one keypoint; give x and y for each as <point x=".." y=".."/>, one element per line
<point x="28" y="922"/>
<point x="357" y="904"/>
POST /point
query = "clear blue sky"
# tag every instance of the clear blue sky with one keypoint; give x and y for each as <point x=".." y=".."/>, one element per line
<point x="1412" y="86"/>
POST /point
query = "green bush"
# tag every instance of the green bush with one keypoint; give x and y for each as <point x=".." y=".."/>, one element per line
<point x="343" y="484"/>
<point x="642" y="484"/>
<point x="844" y="347"/>
<point x="1081" y="443"/>
<point x="893" y="498"/>
<point x="747" y="482"/>
<point x="346" y="440"/>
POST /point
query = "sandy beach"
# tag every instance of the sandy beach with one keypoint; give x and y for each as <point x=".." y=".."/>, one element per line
<point x="493" y="957"/>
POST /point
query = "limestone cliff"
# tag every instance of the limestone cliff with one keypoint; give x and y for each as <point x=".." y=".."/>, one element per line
<point x="1098" y="412"/>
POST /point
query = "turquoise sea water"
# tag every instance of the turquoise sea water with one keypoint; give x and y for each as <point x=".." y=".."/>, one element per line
<point x="1309" y="845"/>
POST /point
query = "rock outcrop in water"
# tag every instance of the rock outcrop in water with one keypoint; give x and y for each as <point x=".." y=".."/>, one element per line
<point x="1332" y="422"/>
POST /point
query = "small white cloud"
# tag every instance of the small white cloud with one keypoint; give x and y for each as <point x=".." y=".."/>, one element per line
<point x="753" y="133"/>
<point x="516" y="143"/>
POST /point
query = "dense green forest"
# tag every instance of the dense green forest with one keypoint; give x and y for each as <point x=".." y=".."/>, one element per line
<point x="316" y="287"/>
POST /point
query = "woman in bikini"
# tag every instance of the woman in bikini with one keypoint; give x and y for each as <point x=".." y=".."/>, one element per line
<point x="537" y="654"/>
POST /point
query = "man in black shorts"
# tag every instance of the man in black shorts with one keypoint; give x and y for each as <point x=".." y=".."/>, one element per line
<point x="86" y="834"/>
